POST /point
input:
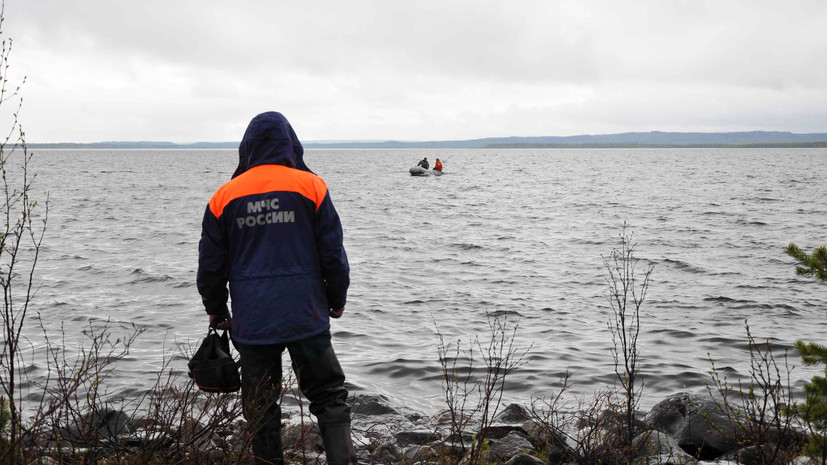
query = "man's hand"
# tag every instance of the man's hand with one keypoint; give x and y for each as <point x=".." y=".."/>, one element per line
<point x="226" y="324"/>
<point x="337" y="313"/>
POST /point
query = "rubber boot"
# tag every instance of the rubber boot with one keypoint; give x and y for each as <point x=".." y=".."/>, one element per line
<point x="338" y="445"/>
<point x="267" y="444"/>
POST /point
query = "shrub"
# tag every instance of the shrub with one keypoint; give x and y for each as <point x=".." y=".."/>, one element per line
<point x="626" y="294"/>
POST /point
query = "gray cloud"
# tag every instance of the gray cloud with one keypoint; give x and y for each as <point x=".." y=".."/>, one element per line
<point x="184" y="71"/>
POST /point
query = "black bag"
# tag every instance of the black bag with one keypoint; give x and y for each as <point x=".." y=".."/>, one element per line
<point x="212" y="367"/>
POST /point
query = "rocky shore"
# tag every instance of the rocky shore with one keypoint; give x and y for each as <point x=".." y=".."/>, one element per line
<point x="681" y="429"/>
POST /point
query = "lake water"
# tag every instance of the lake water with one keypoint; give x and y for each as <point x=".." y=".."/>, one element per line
<point x="513" y="233"/>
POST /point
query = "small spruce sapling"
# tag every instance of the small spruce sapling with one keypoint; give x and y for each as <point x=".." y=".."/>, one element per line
<point x="814" y="409"/>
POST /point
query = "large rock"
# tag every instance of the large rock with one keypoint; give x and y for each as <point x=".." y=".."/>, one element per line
<point x="463" y="437"/>
<point x="513" y="414"/>
<point x="548" y="439"/>
<point x="513" y="444"/>
<point x="656" y="447"/>
<point x="544" y="434"/>
<point x="696" y="423"/>
<point x="499" y="431"/>
<point x="105" y="424"/>
<point x="369" y="405"/>
<point x="615" y="420"/>
<point x="446" y="417"/>
<point x="420" y="437"/>
<point x="305" y="436"/>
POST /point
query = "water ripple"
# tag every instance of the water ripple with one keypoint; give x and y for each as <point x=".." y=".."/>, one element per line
<point x="524" y="241"/>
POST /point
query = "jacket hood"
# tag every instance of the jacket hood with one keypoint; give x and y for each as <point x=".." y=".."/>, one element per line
<point x="270" y="140"/>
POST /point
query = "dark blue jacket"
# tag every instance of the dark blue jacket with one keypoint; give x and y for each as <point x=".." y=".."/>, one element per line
<point x="272" y="233"/>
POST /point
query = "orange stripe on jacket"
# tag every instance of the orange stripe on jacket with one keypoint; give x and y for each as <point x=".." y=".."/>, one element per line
<point x="269" y="178"/>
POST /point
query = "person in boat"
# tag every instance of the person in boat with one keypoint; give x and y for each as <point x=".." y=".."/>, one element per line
<point x="273" y="234"/>
<point x="438" y="165"/>
<point x="424" y="163"/>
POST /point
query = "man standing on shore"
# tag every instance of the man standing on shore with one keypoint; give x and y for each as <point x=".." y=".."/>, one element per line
<point x="272" y="233"/>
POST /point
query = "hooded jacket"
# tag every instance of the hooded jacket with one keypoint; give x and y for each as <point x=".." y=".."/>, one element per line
<point x="272" y="233"/>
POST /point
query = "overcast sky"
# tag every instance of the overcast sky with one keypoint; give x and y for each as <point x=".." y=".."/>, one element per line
<point x="186" y="71"/>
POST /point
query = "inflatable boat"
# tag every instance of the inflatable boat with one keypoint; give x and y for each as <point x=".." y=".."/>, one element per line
<point x="419" y="171"/>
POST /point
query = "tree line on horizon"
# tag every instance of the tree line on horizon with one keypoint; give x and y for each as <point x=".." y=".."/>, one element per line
<point x="623" y="140"/>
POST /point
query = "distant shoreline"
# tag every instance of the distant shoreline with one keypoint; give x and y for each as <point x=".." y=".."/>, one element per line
<point x="95" y="146"/>
<point x="654" y="146"/>
<point x="653" y="139"/>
